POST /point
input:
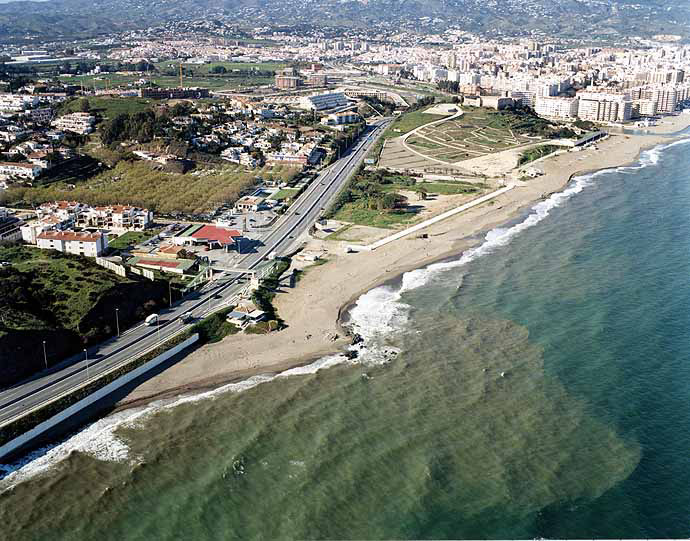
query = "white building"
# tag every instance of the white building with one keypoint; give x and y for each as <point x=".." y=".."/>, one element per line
<point x="554" y="107"/>
<point x="79" y="123"/>
<point x="20" y="170"/>
<point x="17" y="102"/>
<point x="322" y="102"/>
<point x="72" y="242"/>
<point x="604" y="107"/>
<point x="341" y="119"/>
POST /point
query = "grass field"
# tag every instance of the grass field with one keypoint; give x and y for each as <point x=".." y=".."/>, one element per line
<point x="408" y="122"/>
<point x="67" y="285"/>
<point x="137" y="183"/>
<point x="375" y="218"/>
<point x="286" y="193"/>
<point x="109" y="107"/>
<point x="132" y="238"/>
<point x="195" y="75"/>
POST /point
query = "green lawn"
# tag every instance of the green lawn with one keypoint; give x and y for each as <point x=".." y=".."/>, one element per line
<point x="286" y="193"/>
<point x="410" y="121"/>
<point x="109" y="107"/>
<point x="386" y="219"/>
<point x="132" y="238"/>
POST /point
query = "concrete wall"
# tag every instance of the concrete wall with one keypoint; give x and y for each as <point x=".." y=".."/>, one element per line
<point x="28" y="437"/>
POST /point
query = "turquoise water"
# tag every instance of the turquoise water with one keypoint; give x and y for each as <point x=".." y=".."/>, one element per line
<point x="540" y="389"/>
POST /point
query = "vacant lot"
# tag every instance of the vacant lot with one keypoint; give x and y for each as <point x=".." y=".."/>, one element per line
<point x="137" y="183"/>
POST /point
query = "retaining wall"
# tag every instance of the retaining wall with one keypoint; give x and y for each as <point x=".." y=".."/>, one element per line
<point x="28" y="437"/>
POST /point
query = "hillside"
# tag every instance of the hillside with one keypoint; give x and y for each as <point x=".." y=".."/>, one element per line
<point x="575" y="18"/>
<point x="66" y="300"/>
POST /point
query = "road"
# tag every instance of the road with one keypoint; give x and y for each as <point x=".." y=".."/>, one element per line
<point x="51" y="384"/>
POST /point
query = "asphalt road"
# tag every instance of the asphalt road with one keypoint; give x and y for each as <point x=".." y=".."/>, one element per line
<point x="47" y="386"/>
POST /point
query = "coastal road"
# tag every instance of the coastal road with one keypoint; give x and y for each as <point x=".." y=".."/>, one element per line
<point x="47" y="386"/>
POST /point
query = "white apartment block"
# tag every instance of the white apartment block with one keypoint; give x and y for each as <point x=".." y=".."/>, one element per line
<point x="17" y="102"/>
<point x="20" y="170"/>
<point x="604" y="107"/>
<point x="340" y="119"/>
<point x="554" y="107"/>
<point x="72" y="242"/>
<point x="117" y="218"/>
<point x="79" y="123"/>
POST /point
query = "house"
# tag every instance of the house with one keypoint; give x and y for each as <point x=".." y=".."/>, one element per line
<point x="20" y="170"/>
<point x="248" y="203"/>
<point x="73" y="242"/>
<point x="242" y="319"/>
<point x="175" y="266"/>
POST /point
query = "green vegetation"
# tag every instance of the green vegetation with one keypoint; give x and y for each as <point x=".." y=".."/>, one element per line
<point x="137" y="183"/>
<point x="65" y="300"/>
<point x="536" y="153"/>
<point x="409" y="121"/>
<point x="287" y="193"/>
<point x="371" y="198"/>
<point x="214" y="327"/>
<point x="107" y="107"/>
<point x="263" y="297"/>
<point x="132" y="238"/>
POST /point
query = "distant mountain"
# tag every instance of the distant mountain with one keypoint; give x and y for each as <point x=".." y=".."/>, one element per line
<point x="571" y="18"/>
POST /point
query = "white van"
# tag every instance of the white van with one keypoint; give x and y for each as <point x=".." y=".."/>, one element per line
<point x="151" y="320"/>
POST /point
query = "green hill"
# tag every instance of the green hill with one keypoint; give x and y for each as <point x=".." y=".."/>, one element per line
<point x="66" y="300"/>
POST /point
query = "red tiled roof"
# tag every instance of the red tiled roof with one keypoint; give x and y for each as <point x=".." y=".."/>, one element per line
<point x="69" y="236"/>
<point x="218" y="234"/>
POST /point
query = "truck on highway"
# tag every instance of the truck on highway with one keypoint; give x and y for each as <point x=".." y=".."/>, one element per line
<point x="151" y="320"/>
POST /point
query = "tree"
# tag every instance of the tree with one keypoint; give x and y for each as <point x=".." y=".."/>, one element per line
<point x="84" y="106"/>
<point x="218" y="70"/>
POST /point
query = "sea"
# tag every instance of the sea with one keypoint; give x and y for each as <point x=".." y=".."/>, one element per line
<point x="535" y="386"/>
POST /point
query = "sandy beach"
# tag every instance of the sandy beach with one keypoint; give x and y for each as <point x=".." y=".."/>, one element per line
<point x="312" y="309"/>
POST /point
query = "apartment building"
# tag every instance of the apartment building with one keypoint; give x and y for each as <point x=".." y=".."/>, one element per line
<point x="555" y="107"/>
<point x="666" y="97"/>
<point x="10" y="226"/>
<point x="17" y="102"/>
<point x="116" y="218"/>
<point x="604" y="107"/>
<point x="20" y="170"/>
<point x="341" y="119"/>
<point x="79" y="123"/>
<point x="73" y="242"/>
<point x="287" y="82"/>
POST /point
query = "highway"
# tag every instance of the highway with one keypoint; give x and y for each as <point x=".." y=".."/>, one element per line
<point x="26" y="396"/>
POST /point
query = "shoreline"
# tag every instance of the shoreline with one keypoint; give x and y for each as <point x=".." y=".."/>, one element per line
<point x="317" y="306"/>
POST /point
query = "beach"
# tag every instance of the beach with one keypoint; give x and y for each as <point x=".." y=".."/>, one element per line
<point x="312" y="310"/>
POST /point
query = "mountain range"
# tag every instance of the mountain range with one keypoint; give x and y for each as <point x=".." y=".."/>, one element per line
<point x="568" y="18"/>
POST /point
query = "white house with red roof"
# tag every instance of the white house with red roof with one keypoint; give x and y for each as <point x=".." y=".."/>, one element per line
<point x="73" y="242"/>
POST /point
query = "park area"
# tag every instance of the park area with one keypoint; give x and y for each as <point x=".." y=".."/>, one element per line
<point x="477" y="133"/>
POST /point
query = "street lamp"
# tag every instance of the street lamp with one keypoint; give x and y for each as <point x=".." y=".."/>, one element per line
<point x="170" y="292"/>
<point x="86" y="357"/>
<point x="117" y="320"/>
<point x="45" y="356"/>
<point x="158" y="321"/>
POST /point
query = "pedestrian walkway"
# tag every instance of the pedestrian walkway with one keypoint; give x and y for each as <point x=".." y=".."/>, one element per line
<point x="430" y="221"/>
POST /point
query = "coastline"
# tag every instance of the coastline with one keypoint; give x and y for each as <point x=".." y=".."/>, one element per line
<point x="314" y="309"/>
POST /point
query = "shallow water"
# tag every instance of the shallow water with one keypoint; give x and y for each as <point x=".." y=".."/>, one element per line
<point x="540" y="389"/>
